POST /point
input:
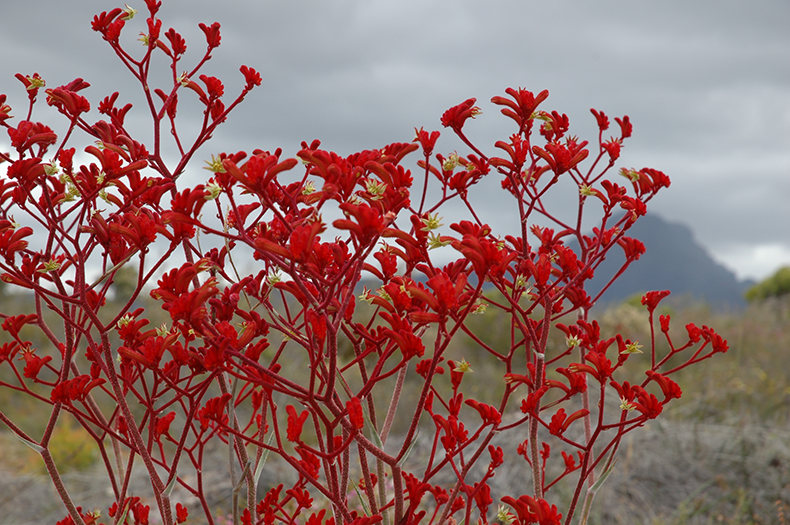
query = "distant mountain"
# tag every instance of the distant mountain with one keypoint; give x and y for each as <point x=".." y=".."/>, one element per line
<point x="673" y="261"/>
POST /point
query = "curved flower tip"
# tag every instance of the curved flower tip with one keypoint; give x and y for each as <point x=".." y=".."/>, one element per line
<point x="456" y="116"/>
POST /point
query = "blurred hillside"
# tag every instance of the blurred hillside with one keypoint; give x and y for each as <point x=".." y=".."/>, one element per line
<point x="673" y="260"/>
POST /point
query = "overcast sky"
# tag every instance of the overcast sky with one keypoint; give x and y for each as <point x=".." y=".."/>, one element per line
<point x="706" y="84"/>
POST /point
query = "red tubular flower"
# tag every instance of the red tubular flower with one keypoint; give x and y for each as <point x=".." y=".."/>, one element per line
<point x="562" y="157"/>
<point x="694" y="332"/>
<point x="154" y="28"/>
<point x="612" y="147"/>
<point x="8" y="351"/>
<point x="214" y="411"/>
<point x="33" y="364"/>
<point x="456" y="116"/>
<point x="410" y="345"/>
<point x="531" y="511"/>
<point x="488" y="414"/>
<point x="427" y="140"/>
<point x="601" y="369"/>
<point x="651" y="299"/>
<point x="369" y="222"/>
<point x="555" y="125"/>
<point x="570" y="461"/>
<point x="577" y="382"/>
<point x="625" y="126"/>
<point x="648" y="404"/>
<point x="13" y="324"/>
<point x="718" y="343"/>
<point x="12" y="241"/>
<point x="214" y="87"/>
<point x="5" y="110"/>
<point x="213" y="37"/>
<point x="153" y="6"/>
<point x="181" y="513"/>
<point x="522" y="107"/>
<point x="601" y="118"/>
<point x="252" y="77"/>
<point x="140" y="513"/>
<point x="28" y="134"/>
<point x="560" y="423"/>
<point x="633" y="248"/>
<point x="68" y="102"/>
<point x="497" y="457"/>
<point x="103" y="21"/>
<point x="302" y="240"/>
<point x="177" y="42"/>
<point x="295" y="423"/>
<point x="529" y="404"/>
<point x="162" y="427"/>
<point x="670" y="389"/>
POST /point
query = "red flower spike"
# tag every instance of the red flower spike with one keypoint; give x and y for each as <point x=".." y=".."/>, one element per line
<point x="33" y="364"/>
<point x="560" y="423"/>
<point x="625" y="126"/>
<point x="369" y="222"/>
<point x="562" y="157"/>
<point x="214" y="87"/>
<point x="488" y="414"/>
<point x="213" y="37"/>
<point x="153" y="6"/>
<point x="633" y="248"/>
<point x="522" y="106"/>
<point x="252" y="77"/>
<point x="497" y="457"/>
<point x="103" y="21"/>
<point x="648" y="404"/>
<point x="718" y="343"/>
<point x="154" y="28"/>
<point x="427" y="140"/>
<point x="456" y="116"/>
<point x="612" y="147"/>
<point x="601" y="118"/>
<point x="68" y="102"/>
<point x="409" y="344"/>
<point x="295" y="423"/>
<point x="670" y="389"/>
<point x="162" y="426"/>
<point x="530" y="510"/>
<point x="214" y="411"/>
<point x="651" y="299"/>
<point x="529" y="404"/>
<point x="177" y="42"/>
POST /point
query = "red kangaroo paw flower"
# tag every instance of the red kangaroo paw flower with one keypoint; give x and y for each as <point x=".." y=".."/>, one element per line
<point x="295" y="423"/>
<point x="456" y="116"/>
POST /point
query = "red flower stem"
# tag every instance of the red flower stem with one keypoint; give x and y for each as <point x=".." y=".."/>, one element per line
<point x="363" y="463"/>
<point x="539" y="356"/>
<point x="238" y="445"/>
<point x="163" y="502"/>
<point x="462" y="476"/>
<point x="396" y="392"/>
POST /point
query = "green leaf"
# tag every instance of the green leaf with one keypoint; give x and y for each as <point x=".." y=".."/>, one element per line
<point x="264" y="456"/>
<point x="361" y="499"/>
<point x="35" y="446"/>
<point x="402" y="460"/>
<point x="169" y="487"/>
